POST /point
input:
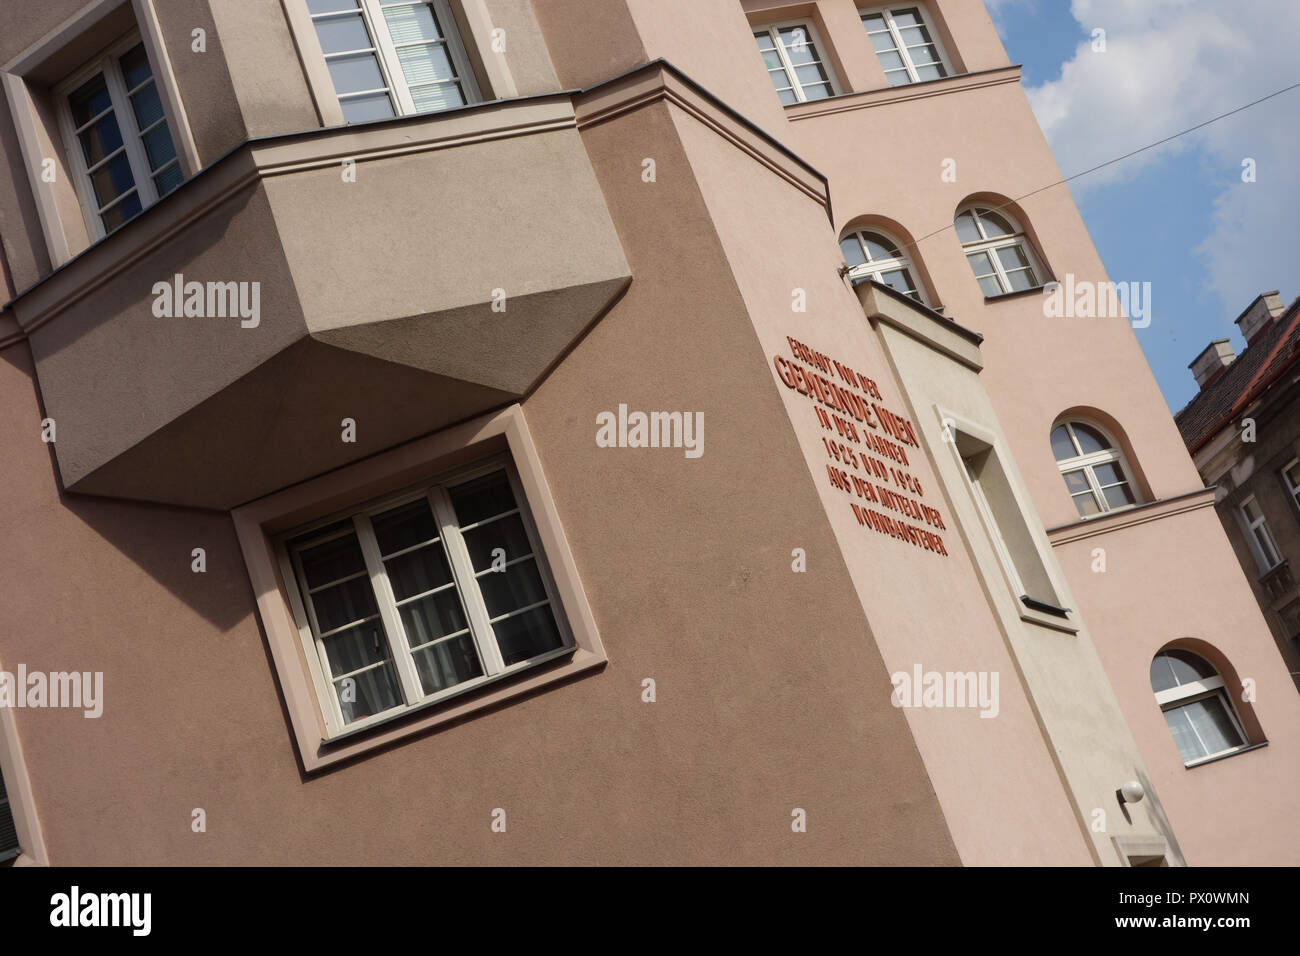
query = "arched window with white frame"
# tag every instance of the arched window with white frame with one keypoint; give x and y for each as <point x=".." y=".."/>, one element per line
<point x="873" y="254"/>
<point x="998" y="251"/>
<point x="1196" y="706"/>
<point x="1096" y="474"/>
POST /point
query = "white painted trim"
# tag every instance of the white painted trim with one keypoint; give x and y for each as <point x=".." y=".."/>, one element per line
<point x="900" y="47"/>
<point x="22" y="802"/>
<point x="1266" y="562"/>
<point x="178" y="123"/>
<point x="818" y="46"/>
<point x="106" y="63"/>
<point x="1114" y="455"/>
<point x="26" y="123"/>
<point x="284" y="615"/>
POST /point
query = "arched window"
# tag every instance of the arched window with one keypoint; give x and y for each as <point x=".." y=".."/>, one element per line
<point x="874" y="255"/>
<point x="1095" y="472"/>
<point x="998" y="251"/>
<point x="1197" y="709"/>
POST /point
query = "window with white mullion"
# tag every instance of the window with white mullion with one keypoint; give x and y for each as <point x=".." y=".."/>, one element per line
<point x="1095" y="472"/>
<point x="396" y="632"/>
<point x="1193" y="698"/>
<point x="134" y="144"/>
<point x="506" y="566"/>
<point x="905" y="45"/>
<point x="393" y="58"/>
<point x="877" y="256"/>
<point x="1291" y="477"/>
<point x="793" y="61"/>
<point x="357" y="622"/>
<point x="118" y="140"/>
<point x="521" y="610"/>
<point x="1261" y="539"/>
<point x="417" y="574"/>
<point x="348" y="40"/>
<point x="999" y="253"/>
<point x="458" y="551"/>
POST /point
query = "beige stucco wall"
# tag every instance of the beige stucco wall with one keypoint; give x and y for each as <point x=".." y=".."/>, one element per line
<point x="1089" y="740"/>
<point x="1171" y="580"/>
<point x="760" y="672"/>
<point x="922" y="607"/>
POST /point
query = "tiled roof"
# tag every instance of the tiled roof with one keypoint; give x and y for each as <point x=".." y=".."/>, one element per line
<point x="1275" y="350"/>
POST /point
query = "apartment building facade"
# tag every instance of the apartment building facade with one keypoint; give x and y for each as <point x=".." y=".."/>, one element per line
<point x="1243" y="431"/>
<point x="358" y="358"/>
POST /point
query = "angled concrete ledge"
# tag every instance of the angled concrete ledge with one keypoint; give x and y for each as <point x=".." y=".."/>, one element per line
<point x="406" y="274"/>
<point x="883" y="304"/>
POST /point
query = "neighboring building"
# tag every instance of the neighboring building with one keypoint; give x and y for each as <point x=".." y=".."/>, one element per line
<point x="372" y="345"/>
<point x="1243" y="430"/>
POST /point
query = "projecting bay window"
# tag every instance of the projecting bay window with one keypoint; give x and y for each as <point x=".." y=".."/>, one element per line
<point x="118" y="141"/>
<point x="418" y="598"/>
<point x="393" y="57"/>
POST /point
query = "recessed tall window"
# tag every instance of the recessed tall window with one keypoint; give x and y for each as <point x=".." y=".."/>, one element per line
<point x="875" y="255"/>
<point x="1257" y="534"/>
<point x="1196" y="706"/>
<point x="1094" y="469"/>
<point x="393" y="57"/>
<point x="793" y="57"/>
<point x="905" y="45"/>
<point x="118" y="140"/>
<point x="998" y="251"/>
<point x="414" y="599"/>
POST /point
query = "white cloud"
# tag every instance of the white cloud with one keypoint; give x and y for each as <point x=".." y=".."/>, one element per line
<point x="1169" y="65"/>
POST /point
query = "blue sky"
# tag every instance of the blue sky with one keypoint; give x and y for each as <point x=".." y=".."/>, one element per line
<point x="1180" y="216"/>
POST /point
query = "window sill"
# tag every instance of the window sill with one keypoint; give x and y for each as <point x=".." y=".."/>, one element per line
<point x="1018" y="294"/>
<point x="1134" y="514"/>
<point x="1225" y="755"/>
<point x="1036" y="605"/>
<point x="886" y="95"/>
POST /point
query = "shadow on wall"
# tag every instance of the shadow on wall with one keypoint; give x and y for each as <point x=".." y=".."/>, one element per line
<point x="159" y="539"/>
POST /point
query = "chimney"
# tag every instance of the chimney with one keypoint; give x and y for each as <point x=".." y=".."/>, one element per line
<point x="1209" y="365"/>
<point x="1266" y="307"/>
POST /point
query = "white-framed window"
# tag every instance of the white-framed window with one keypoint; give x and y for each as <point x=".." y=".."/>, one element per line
<point x="1192" y="696"/>
<point x="1096" y="475"/>
<point x="905" y="45"/>
<point x="422" y="596"/>
<point x="1291" y="477"/>
<point x="998" y="251"/>
<point x="793" y="55"/>
<point x="871" y="254"/>
<point x="117" y="138"/>
<point x="9" y="848"/>
<point x="1261" y="541"/>
<point x="393" y="57"/>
